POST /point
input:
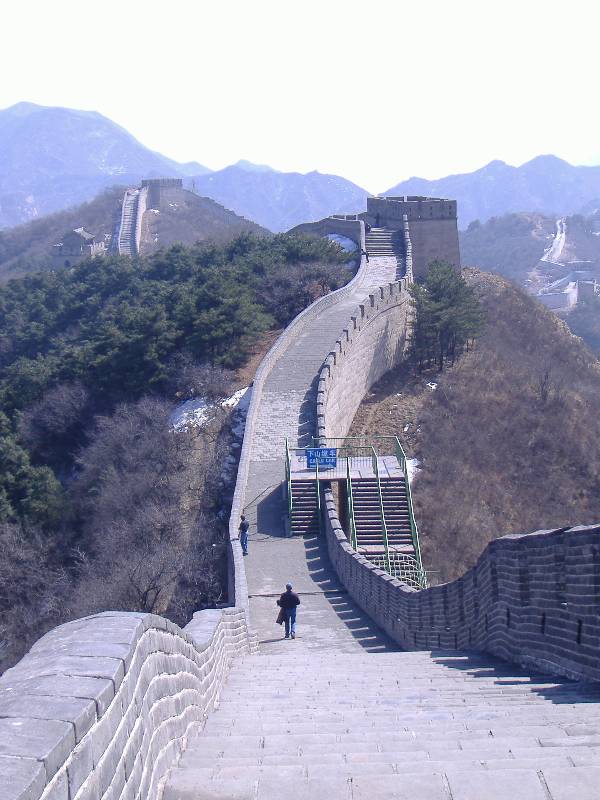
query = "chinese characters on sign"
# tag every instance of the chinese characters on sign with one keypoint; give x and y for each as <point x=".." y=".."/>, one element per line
<point x="326" y="456"/>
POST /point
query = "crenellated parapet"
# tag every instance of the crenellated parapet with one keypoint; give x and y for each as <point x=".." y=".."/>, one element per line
<point x="373" y="342"/>
<point x="101" y="707"/>
<point x="531" y="599"/>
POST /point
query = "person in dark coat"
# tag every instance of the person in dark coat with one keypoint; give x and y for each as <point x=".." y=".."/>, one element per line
<point x="289" y="602"/>
<point x="243" y="534"/>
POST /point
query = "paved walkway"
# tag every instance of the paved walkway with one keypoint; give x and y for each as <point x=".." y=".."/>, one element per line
<point x="395" y="726"/>
<point x="289" y="410"/>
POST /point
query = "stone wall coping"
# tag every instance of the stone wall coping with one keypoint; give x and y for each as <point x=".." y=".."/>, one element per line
<point x="106" y="702"/>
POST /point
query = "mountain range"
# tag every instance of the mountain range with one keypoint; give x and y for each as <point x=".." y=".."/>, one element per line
<point x="279" y="200"/>
<point x="54" y="158"/>
<point x="546" y="184"/>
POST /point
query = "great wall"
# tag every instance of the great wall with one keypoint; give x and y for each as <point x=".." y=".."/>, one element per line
<point x="485" y="687"/>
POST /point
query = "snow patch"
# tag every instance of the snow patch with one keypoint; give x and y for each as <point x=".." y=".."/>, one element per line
<point x="412" y="469"/>
<point x="346" y="244"/>
<point x="197" y="411"/>
<point x="241" y="397"/>
<point x="431" y="385"/>
<point x="193" y="413"/>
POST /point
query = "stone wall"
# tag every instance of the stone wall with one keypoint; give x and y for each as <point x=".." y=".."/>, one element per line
<point x="101" y="707"/>
<point x="238" y="586"/>
<point x="140" y="210"/>
<point x="433" y="240"/>
<point x="155" y="186"/>
<point x="348" y="225"/>
<point x="390" y="211"/>
<point x="532" y="599"/>
<point x="371" y="344"/>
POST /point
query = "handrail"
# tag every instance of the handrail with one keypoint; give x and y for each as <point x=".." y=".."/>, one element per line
<point x="288" y="477"/>
<point x="414" y="531"/>
<point x="318" y="488"/>
<point x="350" y="500"/>
<point x="386" y="547"/>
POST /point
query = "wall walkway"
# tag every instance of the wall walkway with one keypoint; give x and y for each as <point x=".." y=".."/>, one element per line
<point x="284" y="405"/>
<point x="103" y="708"/>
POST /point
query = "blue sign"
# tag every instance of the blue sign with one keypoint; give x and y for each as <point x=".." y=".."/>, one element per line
<point x="326" y="456"/>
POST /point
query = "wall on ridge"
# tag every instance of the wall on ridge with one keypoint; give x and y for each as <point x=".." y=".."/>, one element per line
<point x="100" y="708"/>
<point x="237" y="583"/>
<point x="532" y="599"/>
<point x="140" y="210"/>
<point x="372" y="343"/>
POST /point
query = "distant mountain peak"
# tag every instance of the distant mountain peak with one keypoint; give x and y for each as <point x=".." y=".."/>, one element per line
<point x="249" y="166"/>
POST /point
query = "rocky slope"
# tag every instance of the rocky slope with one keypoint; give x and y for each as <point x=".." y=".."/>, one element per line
<point x="508" y="439"/>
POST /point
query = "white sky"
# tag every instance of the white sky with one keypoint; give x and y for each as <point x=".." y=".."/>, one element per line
<point x="373" y="91"/>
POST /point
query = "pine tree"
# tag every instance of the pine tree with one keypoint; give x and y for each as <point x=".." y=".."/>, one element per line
<point x="447" y="315"/>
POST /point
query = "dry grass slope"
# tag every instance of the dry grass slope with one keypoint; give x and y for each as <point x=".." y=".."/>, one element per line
<point x="509" y="441"/>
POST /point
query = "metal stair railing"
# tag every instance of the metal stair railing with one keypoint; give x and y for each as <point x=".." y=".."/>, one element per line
<point x="386" y="546"/>
<point x="414" y="531"/>
<point x="288" y="478"/>
<point x="350" y="501"/>
<point x="318" y="488"/>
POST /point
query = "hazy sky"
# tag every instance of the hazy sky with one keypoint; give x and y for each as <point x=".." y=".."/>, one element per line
<point x="375" y="91"/>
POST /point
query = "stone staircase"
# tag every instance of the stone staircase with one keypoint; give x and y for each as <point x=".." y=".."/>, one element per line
<point x="128" y="220"/>
<point x="435" y="725"/>
<point x="305" y="512"/>
<point x="367" y="514"/>
<point x="383" y="242"/>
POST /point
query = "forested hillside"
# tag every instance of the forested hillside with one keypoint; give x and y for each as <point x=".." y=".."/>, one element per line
<point x="508" y="439"/>
<point x="184" y="218"/>
<point x="101" y="505"/>
<point x="28" y="248"/>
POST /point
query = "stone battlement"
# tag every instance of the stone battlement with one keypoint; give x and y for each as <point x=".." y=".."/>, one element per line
<point x="430" y="223"/>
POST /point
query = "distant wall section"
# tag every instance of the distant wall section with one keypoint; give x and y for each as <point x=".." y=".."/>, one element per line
<point x="348" y="225"/>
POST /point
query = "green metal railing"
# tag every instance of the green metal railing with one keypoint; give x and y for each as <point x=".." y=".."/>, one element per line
<point x="401" y="456"/>
<point x="288" y="478"/>
<point x="318" y="488"/>
<point x="350" y="499"/>
<point x="384" y="531"/>
<point x="356" y="453"/>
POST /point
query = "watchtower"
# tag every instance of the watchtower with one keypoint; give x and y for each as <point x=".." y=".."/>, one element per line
<point x="431" y="222"/>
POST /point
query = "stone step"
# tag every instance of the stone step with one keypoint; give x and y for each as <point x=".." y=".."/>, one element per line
<point x="440" y="779"/>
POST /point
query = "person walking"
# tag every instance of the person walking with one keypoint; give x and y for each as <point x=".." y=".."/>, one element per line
<point x="365" y="254"/>
<point x="289" y="602"/>
<point x="243" y="534"/>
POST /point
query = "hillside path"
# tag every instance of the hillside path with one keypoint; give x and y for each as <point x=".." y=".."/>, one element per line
<point x="327" y="616"/>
